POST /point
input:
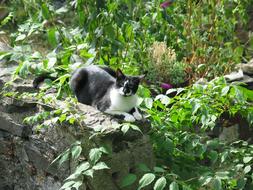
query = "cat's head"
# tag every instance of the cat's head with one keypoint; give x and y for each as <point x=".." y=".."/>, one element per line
<point x="127" y="85"/>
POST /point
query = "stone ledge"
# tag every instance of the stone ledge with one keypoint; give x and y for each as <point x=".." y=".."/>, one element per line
<point x="26" y="155"/>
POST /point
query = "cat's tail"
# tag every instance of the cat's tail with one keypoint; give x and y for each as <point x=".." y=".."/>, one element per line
<point x="40" y="79"/>
<point x="78" y="80"/>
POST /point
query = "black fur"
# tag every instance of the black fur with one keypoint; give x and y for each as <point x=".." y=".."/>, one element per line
<point x="40" y="79"/>
<point x="92" y="85"/>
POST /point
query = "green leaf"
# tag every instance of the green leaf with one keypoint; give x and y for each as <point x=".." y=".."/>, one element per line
<point x="89" y="173"/>
<point x="67" y="185"/>
<point x="4" y="55"/>
<point x="241" y="183"/>
<point x="195" y="107"/>
<point x="52" y="39"/>
<point x="77" y="184"/>
<point x="64" y="158"/>
<point x="128" y="180"/>
<point x="143" y="167"/>
<point x="148" y="102"/>
<point x="174" y="186"/>
<point x="76" y="151"/>
<point x="125" y="128"/>
<point x="20" y="37"/>
<point x="73" y="176"/>
<point x="225" y="90"/>
<point x="247" y="169"/>
<point x="62" y="117"/>
<point x="247" y="159"/>
<point x="136" y="128"/>
<point x="94" y="155"/>
<point x="158" y="169"/>
<point x="171" y="90"/>
<point x="146" y="180"/>
<point x="216" y="184"/>
<point x="61" y="10"/>
<point x="45" y="11"/>
<point x="164" y="99"/>
<point x="160" y="183"/>
<point x="82" y="167"/>
<point x="100" y="166"/>
<point x="205" y="180"/>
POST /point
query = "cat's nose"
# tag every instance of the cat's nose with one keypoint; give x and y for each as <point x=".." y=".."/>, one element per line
<point x="126" y="90"/>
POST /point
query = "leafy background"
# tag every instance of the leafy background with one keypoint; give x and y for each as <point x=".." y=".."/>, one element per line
<point x="175" y="43"/>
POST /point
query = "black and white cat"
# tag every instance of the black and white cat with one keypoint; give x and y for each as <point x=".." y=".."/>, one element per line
<point x="107" y="90"/>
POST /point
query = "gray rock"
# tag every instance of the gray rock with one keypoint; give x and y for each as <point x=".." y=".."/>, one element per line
<point x="248" y="67"/>
<point x="25" y="157"/>
<point x="9" y="125"/>
<point x="234" y="76"/>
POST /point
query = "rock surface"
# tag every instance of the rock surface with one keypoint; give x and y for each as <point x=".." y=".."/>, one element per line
<point x="244" y="74"/>
<point x="25" y="155"/>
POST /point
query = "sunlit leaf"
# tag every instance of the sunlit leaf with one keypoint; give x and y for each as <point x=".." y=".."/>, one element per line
<point x="160" y="184"/>
<point x="146" y="180"/>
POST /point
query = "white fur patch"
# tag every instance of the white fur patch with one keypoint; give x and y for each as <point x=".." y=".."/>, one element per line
<point x="122" y="103"/>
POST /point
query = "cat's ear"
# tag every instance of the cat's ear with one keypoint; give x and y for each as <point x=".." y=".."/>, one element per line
<point x="119" y="74"/>
<point x="141" y="77"/>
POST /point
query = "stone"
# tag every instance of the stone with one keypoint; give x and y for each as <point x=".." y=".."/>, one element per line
<point x="9" y="125"/>
<point x="234" y="76"/>
<point x="25" y="155"/>
<point x="230" y="134"/>
<point x="247" y="68"/>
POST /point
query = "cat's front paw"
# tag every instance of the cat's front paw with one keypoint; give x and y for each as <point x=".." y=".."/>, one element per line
<point x="137" y="116"/>
<point x="129" y="118"/>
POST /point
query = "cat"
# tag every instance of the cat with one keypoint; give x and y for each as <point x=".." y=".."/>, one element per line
<point x="109" y="91"/>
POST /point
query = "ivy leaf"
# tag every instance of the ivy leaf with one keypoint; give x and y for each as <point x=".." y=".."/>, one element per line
<point x="77" y="184"/>
<point x="174" y="186"/>
<point x="89" y="173"/>
<point x="128" y="180"/>
<point x="62" y="157"/>
<point x="136" y="128"/>
<point x="247" y="159"/>
<point x="76" y="151"/>
<point x="160" y="183"/>
<point x="100" y="166"/>
<point x="94" y="155"/>
<point x="66" y="185"/>
<point x="247" y="169"/>
<point x="146" y="180"/>
<point x="125" y="128"/>
<point x="82" y="167"/>
<point x="73" y="176"/>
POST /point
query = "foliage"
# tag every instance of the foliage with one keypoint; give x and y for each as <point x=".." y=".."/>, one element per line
<point x="188" y="158"/>
<point x="164" y="65"/>
<point x="121" y="33"/>
<point x="179" y="42"/>
<point x="201" y="104"/>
